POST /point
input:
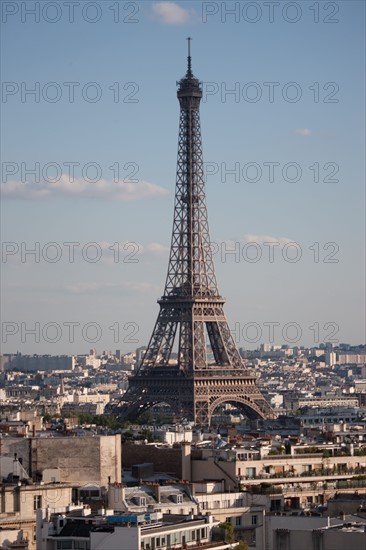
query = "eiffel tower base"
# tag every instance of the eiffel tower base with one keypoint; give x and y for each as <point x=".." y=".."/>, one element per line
<point x="194" y="399"/>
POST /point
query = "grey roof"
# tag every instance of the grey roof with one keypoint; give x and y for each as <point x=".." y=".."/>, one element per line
<point x="167" y="493"/>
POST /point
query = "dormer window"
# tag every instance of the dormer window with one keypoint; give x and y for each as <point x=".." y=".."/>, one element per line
<point x="141" y="501"/>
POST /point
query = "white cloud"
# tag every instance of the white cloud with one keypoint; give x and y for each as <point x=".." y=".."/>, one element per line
<point x="80" y="188"/>
<point x="157" y="249"/>
<point x="261" y="239"/>
<point x="169" y="13"/>
<point x="305" y="132"/>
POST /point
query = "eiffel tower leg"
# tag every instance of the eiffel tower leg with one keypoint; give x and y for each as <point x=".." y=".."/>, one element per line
<point x="201" y="410"/>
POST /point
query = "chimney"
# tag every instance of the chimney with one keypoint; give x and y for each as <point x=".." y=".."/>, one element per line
<point x="157" y="492"/>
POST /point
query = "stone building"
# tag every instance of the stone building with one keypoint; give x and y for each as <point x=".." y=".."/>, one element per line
<point x="20" y="502"/>
<point x="79" y="460"/>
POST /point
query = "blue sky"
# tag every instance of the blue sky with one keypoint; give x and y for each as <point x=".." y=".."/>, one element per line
<point x="125" y="113"/>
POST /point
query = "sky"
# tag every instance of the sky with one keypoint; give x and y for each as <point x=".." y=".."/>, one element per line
<point x="89" y="145"/>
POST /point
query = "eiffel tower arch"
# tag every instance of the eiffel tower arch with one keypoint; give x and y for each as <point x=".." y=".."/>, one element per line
<point x="207" y="370"/>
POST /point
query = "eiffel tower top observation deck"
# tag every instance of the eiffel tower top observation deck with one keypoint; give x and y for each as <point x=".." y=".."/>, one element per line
<point x="206" y="369"/>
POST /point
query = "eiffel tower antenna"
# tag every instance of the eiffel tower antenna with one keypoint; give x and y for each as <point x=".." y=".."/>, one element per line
<point x="196" y="378"/>
<point x="189" y="70"/>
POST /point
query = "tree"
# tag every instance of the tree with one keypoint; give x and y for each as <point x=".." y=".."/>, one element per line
<point x="228" y="530"/>
<point x="146" y="434"/>
<point x="242" y="545"/>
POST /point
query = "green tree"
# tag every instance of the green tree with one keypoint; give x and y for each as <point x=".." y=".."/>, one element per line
<point x="242" y="545"/>
<point x="146" y="434"/>
<point x="228" y="530"/>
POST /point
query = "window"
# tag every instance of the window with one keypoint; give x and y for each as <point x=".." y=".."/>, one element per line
<point x="254" y="520"/>
<point x="237" y="522"/>
<point x="37" y="502"/>
<point x="16" y="498"/>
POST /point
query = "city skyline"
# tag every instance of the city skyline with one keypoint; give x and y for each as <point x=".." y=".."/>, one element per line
<point x="271" y="166"/>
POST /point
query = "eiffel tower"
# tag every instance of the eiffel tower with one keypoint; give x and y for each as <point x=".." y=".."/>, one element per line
<point x="191" y="309"/>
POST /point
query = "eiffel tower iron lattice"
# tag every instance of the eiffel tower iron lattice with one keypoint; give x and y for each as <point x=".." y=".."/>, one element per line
<point x="191" y="310"/>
